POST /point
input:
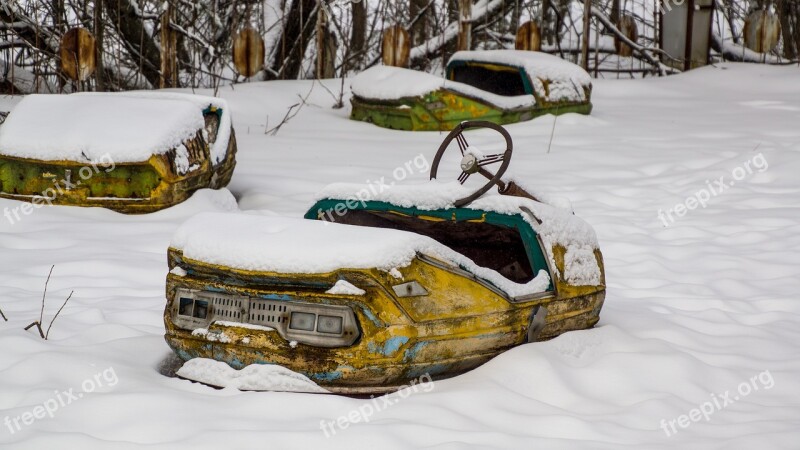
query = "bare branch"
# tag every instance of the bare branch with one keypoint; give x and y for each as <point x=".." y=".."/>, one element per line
<point x="56" y="316"/>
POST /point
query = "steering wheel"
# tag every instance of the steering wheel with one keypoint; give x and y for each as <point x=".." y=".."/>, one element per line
<point x="471" y="163"/>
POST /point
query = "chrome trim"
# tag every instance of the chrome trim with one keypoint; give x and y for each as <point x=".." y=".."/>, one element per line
<point x="410" y="289"/>
<point x="270" y="314"/>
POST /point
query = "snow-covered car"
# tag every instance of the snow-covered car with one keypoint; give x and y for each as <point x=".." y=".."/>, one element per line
<point x="374" y="288"/>
<point x="500" y="86"/>
<point x="133" y="152"/>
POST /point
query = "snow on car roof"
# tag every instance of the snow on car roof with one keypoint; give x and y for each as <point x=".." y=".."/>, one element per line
<point x="388" y="83"/>
<point x="566" y="80"/>
<point x="558" y="226"/>
<point x="129" y="127"/>
<point x="294" y="246"/>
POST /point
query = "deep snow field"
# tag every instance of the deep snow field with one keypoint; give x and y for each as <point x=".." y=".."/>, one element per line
<point x="702" y="314"/>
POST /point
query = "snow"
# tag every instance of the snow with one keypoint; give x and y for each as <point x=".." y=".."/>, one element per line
<point x="249" y="326"/>
<point x="342" y="287"/>
<point x="289" y="245"/>
<point x="219" y="148"/>
<point x="127" y="127"/>
<point x="387" y="82"/>
<point x="566" y="80"/>
<point x="693" y="308"/>
<point x="84" y="128"/>
<point x="255" y="377"/>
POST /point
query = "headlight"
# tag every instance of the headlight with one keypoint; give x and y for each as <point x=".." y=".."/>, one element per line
<point x="329" y="324"/>
<point x="302" y="321"/>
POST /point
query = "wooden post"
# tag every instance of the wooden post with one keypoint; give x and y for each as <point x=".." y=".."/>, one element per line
<point x="77" y="53"/>
<point x="587" y="17"/>
<point x="248" y="52"/>
<point x="528" y="37"/>
<point x="464" y="25"/>
<point x="395" y="48"/>
<point x="169" y="53"/>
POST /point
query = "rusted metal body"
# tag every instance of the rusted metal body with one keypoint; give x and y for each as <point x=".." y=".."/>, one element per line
<point x="435" y="319"/>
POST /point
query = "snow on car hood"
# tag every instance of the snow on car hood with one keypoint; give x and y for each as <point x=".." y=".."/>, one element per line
<point x="294" y="246"/>
<point x="92" y="127"/>
<point x="558" y="225"/>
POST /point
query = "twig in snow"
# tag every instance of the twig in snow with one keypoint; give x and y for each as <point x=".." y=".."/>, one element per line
<point x="291" y="112"/>
<point x="38" y="323"/>
<point x="4" y="316"/>
<point x="38" y="327"/>
<point x="44" y="294"/>
<point x="57" y="313"/>
<point x="552" y="131"/>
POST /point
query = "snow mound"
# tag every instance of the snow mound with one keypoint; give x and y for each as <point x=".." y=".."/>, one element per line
<point x="342" y="287"/>
<point x="284" y="245"/>
<point x="256" y="377"/>
<point x="387" y="82"/>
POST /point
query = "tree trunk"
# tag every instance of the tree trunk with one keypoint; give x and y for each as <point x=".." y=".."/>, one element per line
<point x="326" y="48"/>
<point x="293" y="42"/>
<point x="419" y="30"/>
<point x="358" y="33"/>
<point x="100" y="72"/>
<point x="788" y="13"/>
<point x="136" y="39"/>
<point x="587" y="17"/>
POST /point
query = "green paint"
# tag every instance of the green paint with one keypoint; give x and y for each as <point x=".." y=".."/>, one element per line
<point x="442" y="110"/>
<point x="38" y="178"/>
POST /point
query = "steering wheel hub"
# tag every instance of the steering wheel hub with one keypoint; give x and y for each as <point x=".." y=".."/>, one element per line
<point x="469" y="164"/>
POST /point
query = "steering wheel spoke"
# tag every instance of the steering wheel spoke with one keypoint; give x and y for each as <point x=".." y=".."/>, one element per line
<point x="462" y="143"/>
<point x="470" y="163"/>
<point x="491" y="159"/>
